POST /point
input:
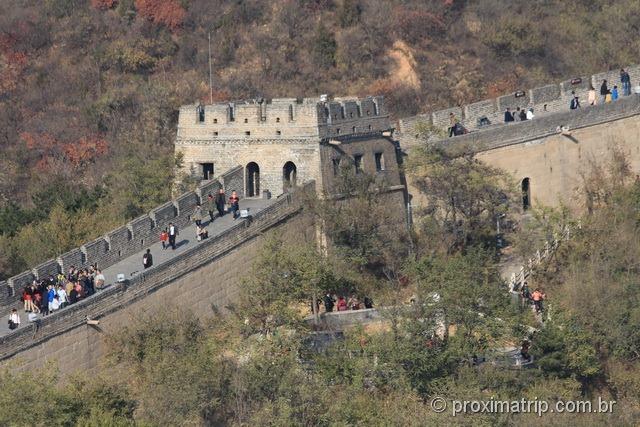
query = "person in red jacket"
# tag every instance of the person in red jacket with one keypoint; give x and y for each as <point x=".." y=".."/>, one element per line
<point x="342" y="304"/>
<point x="164" y="238"/>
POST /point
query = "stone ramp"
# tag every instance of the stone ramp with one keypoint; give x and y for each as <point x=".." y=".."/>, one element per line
<point x="132" y="265"/>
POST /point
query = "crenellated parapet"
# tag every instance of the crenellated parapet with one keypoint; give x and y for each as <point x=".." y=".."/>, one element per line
<point x="282" y="118"/>
<point x="122" y="242"/>
<point x="544" y="100"/>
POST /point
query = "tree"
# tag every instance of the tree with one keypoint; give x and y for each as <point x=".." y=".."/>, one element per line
<point x="165" y="12"/>
<point x="325" y="47"/>
<point x="464" y="197"/>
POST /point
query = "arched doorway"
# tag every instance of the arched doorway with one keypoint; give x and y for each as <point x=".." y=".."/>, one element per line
<point x="526" y="194"/>
<point x="252" y="179"/>
<point x="289" y="175"/>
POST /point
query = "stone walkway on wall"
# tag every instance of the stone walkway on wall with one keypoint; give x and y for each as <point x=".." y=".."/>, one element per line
<point x="186" y="239"/>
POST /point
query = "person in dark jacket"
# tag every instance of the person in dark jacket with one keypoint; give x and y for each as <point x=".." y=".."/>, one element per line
<point x="173" y="232"/>
<point x="604" y="90"/>
<point x="211" y="205"/>
<point x="147" y="259"/>
<point x="508" y="117"/>
<point x="329" y="302"/>
<point x="221" y="200"/>
<point x="625" y="79"/>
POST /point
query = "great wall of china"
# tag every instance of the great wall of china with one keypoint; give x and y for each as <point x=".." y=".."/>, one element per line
<point x="533" y="149"/>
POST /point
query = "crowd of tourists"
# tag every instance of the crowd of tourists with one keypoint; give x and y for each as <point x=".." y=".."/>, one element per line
<point x="342" y="303"/>
<point x="46" y="296"/>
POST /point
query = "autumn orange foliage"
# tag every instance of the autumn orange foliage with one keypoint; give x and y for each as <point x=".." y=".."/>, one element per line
<point x="166" y="12"/>
<point x="104" y="4"/>
<point x="49" y="150"/>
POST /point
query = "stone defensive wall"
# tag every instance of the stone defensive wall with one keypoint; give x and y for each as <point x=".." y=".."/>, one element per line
<point x="544" y="100"/>
<point x="122" y="242"/>
<point x="539" y="128"/>
<point x="282" y="118"/>
<point x="205" y="275"/>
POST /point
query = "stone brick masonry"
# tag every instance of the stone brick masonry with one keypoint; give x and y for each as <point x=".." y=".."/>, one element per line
<point x="209" y="273"/>
<point x="115" y="245"/>
<point x="551" y="98"/>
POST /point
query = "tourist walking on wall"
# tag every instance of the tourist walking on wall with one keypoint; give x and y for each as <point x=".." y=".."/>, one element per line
<point x="538" y="297"/>
<point x="508" y="117"/>
<point x="575" y="102"/>
<point x="625" y="79"/>
<point x="221" y="201"/>
<point x="197" y="214"/>
<point x="164" y="238"/>
<point x="14" y="319"/>
<point x="453" y="121"/>
<point x="591" y="97"/>
<point x="234" y="204"/>
<point x="604" y="90"/>
<point x="211" y="206"/>
<point x="173" y="232"/>
<point x="147" y="259"/>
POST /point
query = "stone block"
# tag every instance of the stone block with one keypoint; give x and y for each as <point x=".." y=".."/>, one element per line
<point x="119" y="237"/>
<point x="351" y="110"/>
<point x="46" y="269"/>
<point x="440" y="119"/>
<point x="19" y="281"/>
<point x="545" y="94"/>
<point x="567" y="86"/>
<point x="335" y="112"/>
<point x="95" y="251"/>
<point x="141" y="226"/>
<point x="209" y="187"/>
<point x="473" y="112"/>
<point x="233" y="180"/>
<point x="186" y="203"/>
<point x="513" y="102"/>
<point x="164" y="214"/>
<point x="74" y="257"/>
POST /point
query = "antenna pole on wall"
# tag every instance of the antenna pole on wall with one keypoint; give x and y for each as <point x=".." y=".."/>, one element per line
<point x="210" y="74"/>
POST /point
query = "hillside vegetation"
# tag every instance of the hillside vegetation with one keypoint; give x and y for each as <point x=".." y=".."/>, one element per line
<point x="89" y="89"/>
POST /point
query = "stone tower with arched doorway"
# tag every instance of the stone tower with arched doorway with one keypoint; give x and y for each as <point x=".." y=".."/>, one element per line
<point x="285" y="142"/>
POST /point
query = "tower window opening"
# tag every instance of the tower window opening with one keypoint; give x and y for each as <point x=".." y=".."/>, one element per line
<point x="526" y="194"/>
<point x="379" y="162"/>
<point x="357" y="161"/>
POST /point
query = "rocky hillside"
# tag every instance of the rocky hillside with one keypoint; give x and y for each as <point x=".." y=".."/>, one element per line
<point x="89" y="88"/>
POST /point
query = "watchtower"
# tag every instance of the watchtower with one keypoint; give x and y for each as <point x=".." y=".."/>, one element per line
<point x="284" y="141"/>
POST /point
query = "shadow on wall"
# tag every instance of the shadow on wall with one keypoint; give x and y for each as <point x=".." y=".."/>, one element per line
<point x="124" y="241"/>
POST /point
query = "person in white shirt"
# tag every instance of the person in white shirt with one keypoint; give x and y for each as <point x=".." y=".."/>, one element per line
<point x="99" y="279"/>
<point x="32" y="317"/>
<point x="14" y="319"/>
<point x="55" y="304"/>
<point x="62" y="296"/>
<point x="530" y="114"/>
